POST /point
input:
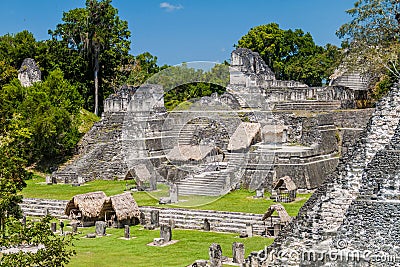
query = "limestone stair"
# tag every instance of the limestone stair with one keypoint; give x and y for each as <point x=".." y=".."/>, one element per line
<point x="204" y="184"/>
<point x="308" y="105"/>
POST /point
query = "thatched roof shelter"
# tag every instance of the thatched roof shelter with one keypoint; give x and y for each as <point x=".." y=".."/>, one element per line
<point x="191" y="153"/>
<point x="245" y="135"/>
<point x="88" y="204"/>
<point x="124" y="206"/>
<point x="141" y="172"/>
<point x="287" y="181"/>
<point x="282" y="213"/>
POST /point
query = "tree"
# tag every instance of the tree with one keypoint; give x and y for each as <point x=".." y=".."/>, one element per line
<point x="12" y="172"/>
<point x="49" y="110"/>
<point x="15" y="48"/>
<point x="54" y="250"/>
<point x="292" y="55"/>
<point x="372" y="36"/>
<point x="98" y="33"/>
<point x="139" y="69"/>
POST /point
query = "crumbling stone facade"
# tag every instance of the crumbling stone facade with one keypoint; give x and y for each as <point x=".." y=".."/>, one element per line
<point x="302" y="132"/>
<point x="356" y="209"/>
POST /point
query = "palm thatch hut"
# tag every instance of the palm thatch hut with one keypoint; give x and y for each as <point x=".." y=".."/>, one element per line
<point x="284" y="190"/>
<point x="283" y="216"/>
<point x="194" y="153"/>
<point x="120" y="210"/>
<point x="86" y="207"/>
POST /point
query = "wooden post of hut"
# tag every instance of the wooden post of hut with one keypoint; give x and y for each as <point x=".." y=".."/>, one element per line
<point x="280" y="221"/>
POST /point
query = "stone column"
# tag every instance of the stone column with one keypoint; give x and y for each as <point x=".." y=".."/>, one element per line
<point x="215" y="253"/>
<point x="206" y="226"/>
<point x="260" y="193"/>
<point x="173" y="193"/>
<point x="53" y="227"/>
<point x="101" y="228"/>
<point x="142" y="218"/>
<point x="49" y="180"/>
<point x="127" y="232"/>
<point x="238" y="252"/>
<point x="249" y="230"/>
<point x="74" y="227"/>
<point x="165" y="232"/>
<point x="23" y="220"/>
<point x="155" y="218"/>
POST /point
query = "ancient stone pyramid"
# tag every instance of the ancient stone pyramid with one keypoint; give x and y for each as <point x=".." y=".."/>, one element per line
<point x="353" y="218"/>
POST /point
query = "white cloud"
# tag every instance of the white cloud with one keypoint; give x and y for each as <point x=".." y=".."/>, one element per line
<point x="170" y="7"/>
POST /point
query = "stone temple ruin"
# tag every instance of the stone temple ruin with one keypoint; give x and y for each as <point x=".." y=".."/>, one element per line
<point x="260" y="130"/>
<point x="352" y="219"/>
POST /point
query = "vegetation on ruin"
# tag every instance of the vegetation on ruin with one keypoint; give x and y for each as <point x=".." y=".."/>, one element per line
<point x="292" y="54"/>
<point x="372" y="38"/>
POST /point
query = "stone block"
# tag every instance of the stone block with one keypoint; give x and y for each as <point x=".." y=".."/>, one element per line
<point x="206" y="226"/>
<point x="158" y="241"/>
<point x="127" y="232"/>
<point x="215" y="253"/>
<point x="101" y="228"/>
<point x="74" y="227"/>
<point x="165" y="232"/>
<point x="53" y="227"/>
<point x="173" y="193"/>
<point x="238" y="252"/>
<point x="249" y="230"/>
<point x="155" y="218"/>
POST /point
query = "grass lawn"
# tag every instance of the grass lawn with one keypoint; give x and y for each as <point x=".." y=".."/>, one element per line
<point x="239" y="200"/>
<point x="112" y="250"/>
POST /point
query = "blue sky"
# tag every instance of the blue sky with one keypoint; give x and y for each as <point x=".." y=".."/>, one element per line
<point x="188" y="30"/>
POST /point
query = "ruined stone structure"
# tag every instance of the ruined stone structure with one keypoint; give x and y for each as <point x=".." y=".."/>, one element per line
<point x="355" y="212"/>
<point x="259" y="130"/>
<point x="29" y="72"/>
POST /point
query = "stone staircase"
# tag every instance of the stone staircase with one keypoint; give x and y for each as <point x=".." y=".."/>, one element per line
<point x="308" y="105"/>
<point x="220" y="221"/>
<point x="39" y="207"/>
<point x="205" y="184"/>
<point x="213" y="183"/>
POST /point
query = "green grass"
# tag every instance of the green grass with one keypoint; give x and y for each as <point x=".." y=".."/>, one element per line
<point x="36" y="188"/>
<point x="86" y="120"/>
<point x="112" y="250"/>
<point x="238" y="201"/>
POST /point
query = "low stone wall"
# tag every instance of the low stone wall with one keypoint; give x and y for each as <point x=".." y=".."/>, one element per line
<point x="220" y="221"/>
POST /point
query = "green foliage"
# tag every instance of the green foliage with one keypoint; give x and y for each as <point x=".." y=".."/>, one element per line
<point x="372" y="37"/>
<point x="142" y="67"/>
<point x="97" y="33"/>
<point x="182" y="83"/>
<point x="15" y="48"/>
<point x="12" y="172"/>
<point x="7" y="73"/>
<point x="57" y="250"/>
<point x="292" y="55"/>
<point x="48" y="110"/>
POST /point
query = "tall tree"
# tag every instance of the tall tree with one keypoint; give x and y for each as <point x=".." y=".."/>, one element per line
<point x="291" y="54"/>
<point x="99" y="33"/>
<point x="373" y="36"/>
<point x="12" y="172"/>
